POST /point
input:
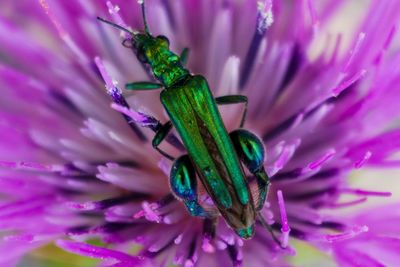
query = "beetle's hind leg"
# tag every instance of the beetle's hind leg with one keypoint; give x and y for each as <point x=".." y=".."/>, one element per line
<point x="270" y="230"/>
<point x="183" y="183"/>
<point x="251" y="152"/>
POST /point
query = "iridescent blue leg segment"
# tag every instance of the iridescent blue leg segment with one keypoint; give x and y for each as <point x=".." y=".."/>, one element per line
<point x="251" y="152"/>
<point x="184" y="185"/>
<point x="234" y="99"/>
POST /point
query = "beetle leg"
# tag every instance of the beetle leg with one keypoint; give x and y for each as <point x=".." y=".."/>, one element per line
<point x="142" y="86"/>
<point x="184" y="56"/>
<point x="183" y="183"/>
<point x="160" y="136"/>
<point x="270" y="230"/>
<point x="234" y="99"/>
<point x="251" y="152"/>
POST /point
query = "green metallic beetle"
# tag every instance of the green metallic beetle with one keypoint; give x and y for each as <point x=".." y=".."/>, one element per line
<point x="212" y="154"/>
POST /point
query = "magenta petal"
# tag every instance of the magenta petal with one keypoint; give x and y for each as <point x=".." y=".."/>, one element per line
<point x="98" y="252"/>
<point x="285" y="225"/>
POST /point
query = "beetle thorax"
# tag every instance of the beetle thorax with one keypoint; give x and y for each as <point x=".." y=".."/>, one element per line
<point x="166" y="66"/>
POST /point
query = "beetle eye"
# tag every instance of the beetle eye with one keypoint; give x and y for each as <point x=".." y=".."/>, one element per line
<point x="140" y="55"/>
<point x="164" y="39"/>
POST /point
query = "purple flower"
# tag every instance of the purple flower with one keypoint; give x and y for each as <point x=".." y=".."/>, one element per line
<point x="76" y="159"/>
<point x="374" y="240"/>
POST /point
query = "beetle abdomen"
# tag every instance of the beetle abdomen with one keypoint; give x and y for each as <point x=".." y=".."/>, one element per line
<point x="193" y="112"/>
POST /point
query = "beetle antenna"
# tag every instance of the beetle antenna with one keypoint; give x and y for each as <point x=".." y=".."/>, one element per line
<point x="270" y="230"/>
<point x="146" y="27"/>
<point x="115" y="25"/>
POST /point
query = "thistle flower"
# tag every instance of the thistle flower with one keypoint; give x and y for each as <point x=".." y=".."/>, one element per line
<point x="77" y="162"/>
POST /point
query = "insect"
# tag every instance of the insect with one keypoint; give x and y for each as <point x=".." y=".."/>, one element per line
<point x="213" y="155"/>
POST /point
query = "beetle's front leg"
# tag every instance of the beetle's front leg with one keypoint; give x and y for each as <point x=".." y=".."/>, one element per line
<point x="143" y="86"/>
<point x="183" y="183"/>
<point x="251" y="152"/>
